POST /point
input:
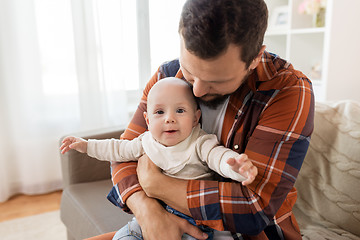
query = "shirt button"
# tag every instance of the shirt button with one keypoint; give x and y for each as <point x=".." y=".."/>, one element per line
<point x="236" y="147"/>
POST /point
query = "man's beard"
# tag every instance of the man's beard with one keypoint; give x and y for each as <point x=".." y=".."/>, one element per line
<point x="213" y="103"/>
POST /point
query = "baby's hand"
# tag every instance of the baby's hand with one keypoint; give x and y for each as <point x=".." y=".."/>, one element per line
<point x="244" y="166"/>
<point x="76" y="143"/>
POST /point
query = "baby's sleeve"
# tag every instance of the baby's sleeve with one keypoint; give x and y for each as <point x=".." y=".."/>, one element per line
<point x="116" y="150"/>
<point x="215" y="155"/>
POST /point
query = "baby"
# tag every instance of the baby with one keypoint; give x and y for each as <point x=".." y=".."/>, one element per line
<point x="175" y="142"/>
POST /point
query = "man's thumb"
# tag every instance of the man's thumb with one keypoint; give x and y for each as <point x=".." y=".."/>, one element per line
<point x="196" y="232"/>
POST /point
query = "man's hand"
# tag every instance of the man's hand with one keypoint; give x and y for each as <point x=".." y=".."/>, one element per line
<point x="244" y="166"/>
<point x="149" y="175"/>
<point x="157" y="185"/>
<point x="75" y="143"/>
<point x="157" y="223"/>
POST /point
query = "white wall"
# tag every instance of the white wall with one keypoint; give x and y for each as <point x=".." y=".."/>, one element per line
<point x="344" y="56"/>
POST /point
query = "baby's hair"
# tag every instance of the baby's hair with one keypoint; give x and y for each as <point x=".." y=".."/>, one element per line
<point x="190" y="88"/>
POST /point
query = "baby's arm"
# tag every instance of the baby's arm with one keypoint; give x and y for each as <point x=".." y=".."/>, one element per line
<point x="105" y="150"/>
<point x="224" y="161"/>
<point x="239" y="168"/>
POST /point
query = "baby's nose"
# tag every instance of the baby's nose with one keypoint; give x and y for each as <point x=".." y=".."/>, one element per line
<point x="170" y="118"/>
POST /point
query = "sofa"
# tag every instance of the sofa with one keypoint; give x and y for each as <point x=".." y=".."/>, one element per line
<point x="328" y="185"/>
<point x="84" y="208"/>
<point x="328" y="205"/>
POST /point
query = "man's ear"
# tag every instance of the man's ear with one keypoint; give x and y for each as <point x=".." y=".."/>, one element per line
<point x="257" y="59"/>
<point x="146" y="118"/>
<point x="197" y="117"/>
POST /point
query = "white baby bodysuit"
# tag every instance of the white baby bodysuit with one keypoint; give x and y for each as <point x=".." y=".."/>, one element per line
<point x="189" y="159"/>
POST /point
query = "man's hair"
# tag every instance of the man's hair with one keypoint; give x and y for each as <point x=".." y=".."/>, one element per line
<point x="209" y="26"/>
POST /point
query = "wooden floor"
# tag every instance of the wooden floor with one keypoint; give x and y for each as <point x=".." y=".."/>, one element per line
<point x="23" y="205"/>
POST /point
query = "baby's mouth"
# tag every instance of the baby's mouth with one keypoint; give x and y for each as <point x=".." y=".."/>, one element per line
<point x="170" y="131"/>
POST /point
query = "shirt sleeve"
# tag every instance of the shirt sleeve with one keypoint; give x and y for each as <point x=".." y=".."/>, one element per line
<point x="277" y="147"/>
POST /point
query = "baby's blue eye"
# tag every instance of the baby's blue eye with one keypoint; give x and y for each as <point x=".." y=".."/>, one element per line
<point x="159" y="112"/>
<point x="180" y="110"/>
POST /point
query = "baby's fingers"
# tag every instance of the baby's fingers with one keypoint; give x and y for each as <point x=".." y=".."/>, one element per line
<point x="69" y="139"/>
<point x="66" y="142"/>
<point x="65" y="148"/>
<point x="245" y="166"/>
<point x="80" y="146"/>
<point x="251" y="174"/>
<point x="231" y="161"/>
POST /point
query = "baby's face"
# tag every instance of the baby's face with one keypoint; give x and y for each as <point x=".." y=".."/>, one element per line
<point x="171" y="113"/>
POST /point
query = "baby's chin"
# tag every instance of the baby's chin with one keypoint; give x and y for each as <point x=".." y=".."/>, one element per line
<point x="171" y="143"/>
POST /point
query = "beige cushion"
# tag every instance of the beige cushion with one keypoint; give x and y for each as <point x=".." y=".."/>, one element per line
<point x="329" y="181"/>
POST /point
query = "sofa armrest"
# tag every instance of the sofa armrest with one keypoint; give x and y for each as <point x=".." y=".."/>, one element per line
<point x="79" y="167"/>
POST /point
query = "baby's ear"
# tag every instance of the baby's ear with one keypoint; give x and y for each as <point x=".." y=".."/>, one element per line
<point x="146" y="118"/>
<point x="197" y="117"/>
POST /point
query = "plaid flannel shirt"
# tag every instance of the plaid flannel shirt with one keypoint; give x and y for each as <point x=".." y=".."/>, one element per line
<point x="270" y="118"/>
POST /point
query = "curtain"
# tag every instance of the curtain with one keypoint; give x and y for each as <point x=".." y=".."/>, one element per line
<point x="65" y="67"/>
<point x="70" y="66"/>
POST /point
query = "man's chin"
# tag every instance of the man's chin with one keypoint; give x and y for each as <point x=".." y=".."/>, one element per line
<point x="213" y="102"/>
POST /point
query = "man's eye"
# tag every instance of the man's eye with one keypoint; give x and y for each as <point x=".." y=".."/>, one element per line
<point x="180" y="110"/>
<point x="159" y="112"/>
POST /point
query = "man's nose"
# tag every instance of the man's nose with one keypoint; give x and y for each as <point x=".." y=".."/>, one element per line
<point x="200" y="88"/>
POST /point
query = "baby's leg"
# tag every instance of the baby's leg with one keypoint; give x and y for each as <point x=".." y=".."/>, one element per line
<point x="130" y="231"/>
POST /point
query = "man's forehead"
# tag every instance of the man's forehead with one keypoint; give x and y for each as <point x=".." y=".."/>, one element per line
<point x="223" y="68"/>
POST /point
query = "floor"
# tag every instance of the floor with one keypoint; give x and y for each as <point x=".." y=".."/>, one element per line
<point x="24" y="205"/>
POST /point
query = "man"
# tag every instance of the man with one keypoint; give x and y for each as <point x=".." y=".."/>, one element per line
<point x="255" y="102"/>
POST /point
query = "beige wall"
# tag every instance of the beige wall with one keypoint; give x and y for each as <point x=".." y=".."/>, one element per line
<point x="344" y="57"/>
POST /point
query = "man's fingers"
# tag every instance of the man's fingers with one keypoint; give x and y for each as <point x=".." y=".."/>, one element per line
<point x="194" y="231"/>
